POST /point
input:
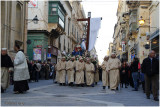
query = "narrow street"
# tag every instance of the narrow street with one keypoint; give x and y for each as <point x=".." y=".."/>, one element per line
<point x="45" y="93"/>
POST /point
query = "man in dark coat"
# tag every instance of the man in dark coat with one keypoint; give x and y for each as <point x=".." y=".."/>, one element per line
<point x="150" y="67"/>
<point x="30" y="68"/>
<point x="6" y="67"/>
<point x="135" y="73"/>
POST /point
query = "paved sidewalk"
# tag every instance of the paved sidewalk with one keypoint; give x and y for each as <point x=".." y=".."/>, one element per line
<point x="45" y="93"/>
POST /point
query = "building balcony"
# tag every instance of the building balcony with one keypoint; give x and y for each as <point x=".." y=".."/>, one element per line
<point x="132" y="3"/>
<point x="56" y="18"/>
<point x="133" y="28"/>
<point x="125" y="16"/>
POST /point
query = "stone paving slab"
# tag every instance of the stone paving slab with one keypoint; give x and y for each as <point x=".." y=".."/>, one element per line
<point x="45" y="93"/>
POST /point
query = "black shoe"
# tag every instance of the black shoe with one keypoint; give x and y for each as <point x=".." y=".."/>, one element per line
<point x="112" y="89"/>
<point x="96" y="83"/>
<point x="108" y="87"/>
<point x="104" y="87"/>
<point x="148" y="97"/>
<point x="156" y="99"/>
<point x="60" y="84"/>
<point x="55" y="82"/>
<point x="2" y="90"/>
<point x="135" y="90"/>
<point x="92" y="85"/>
<point x="126" y="87"/>
<point x="82" y="85"/>
<point x="117" y="88"/>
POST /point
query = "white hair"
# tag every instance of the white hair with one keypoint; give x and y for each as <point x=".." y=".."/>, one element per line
<point x="151" y="51"/>
<point x="4" y="49"/>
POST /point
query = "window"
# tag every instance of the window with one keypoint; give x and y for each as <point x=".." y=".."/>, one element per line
<point x="59" y="43"/>
<point x="54" y="5"/>
<point x="61" y="15"/>
<point x="64" y="45"/>
<point x="77" y="36"/>
<point x="61" y="22"/>
<point x="68" y="46"/>
<point x="68" y="26"/>
<point x="75" y="32"/>
<point x="72" y="29"/>
<point x="18" y="22"/>
<point x="54" y="11"/>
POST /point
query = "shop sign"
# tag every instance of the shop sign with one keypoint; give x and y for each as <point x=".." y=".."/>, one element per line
<point x="33" y="3"/>
<point x="37" y="54"/>
<point x="49" y="55"/>
<point x="39" y="46"/>
<point x="123" y="47"/>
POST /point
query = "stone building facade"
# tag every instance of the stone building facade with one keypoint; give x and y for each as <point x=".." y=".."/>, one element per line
<point x="130" y="39"/>
<point x="57" y="28"/>
<point x="14" y="25"/>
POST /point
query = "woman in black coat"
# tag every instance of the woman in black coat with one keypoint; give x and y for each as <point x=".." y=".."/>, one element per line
<point x="124" y="74"/>
<point x="35" y="68"/>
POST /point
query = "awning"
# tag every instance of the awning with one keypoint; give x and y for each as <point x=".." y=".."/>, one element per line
<point x="155" y="34"/>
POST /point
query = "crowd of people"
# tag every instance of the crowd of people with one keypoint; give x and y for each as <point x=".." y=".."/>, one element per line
<point x="81" y="71"/>
<point x="39" y="70"/>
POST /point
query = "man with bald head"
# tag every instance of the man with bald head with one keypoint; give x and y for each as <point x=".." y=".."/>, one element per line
<point x="62" y="72"/>
<point x="80" y="72"/>
<point x="89" y="68"/>
<point x="150" y="67"/>
<point x="105" y="72"/>
<point x="70" y="65"/>
<point x="114" y="65"/>
<point x="6" y="67"/>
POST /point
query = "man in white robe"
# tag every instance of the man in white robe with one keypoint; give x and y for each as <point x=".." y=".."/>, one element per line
<point x="80" y="72"/>
<point x="114" y="65"/>
<point x="57" y="68"/>
<point x="89" y="68"/>
<point x="62" y="72"/>
<point x="70" y="65"/>
<point x="21" y="73"/>
<point x="105" y="74"/>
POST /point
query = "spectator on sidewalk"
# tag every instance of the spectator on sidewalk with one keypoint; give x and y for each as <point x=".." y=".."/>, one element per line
<point x="38" y="70"/>
<point x="21" y="73"/>
<point x="6" y="67"/>
<point x="42" y="71"/>
<point x="30" y="68"/>
<point x="150" y="67"/>
<point x="47" y="69"/>
<point x="35" y="69"/>
<point x="130" y="79"/>
<point x="124" y="74"/>
<point x="135" y="73"/>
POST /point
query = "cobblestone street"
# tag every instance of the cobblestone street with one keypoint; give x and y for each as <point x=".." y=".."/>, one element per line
<point x="45" y="93"/>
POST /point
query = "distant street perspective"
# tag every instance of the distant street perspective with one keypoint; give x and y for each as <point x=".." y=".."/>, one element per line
<point x="80" y="53"/>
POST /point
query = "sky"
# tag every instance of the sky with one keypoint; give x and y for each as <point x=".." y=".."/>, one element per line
<point x="106" y="9"/>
